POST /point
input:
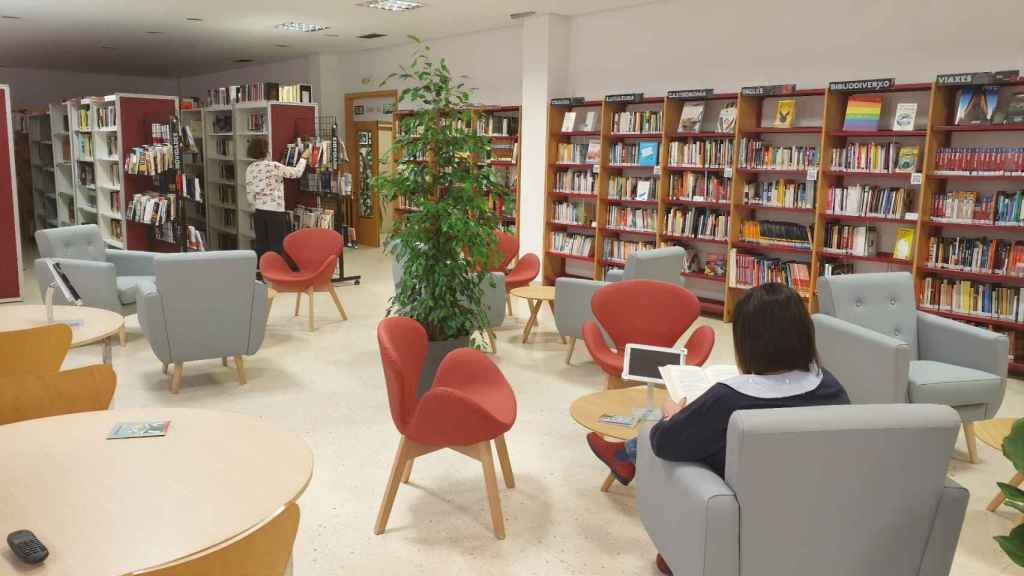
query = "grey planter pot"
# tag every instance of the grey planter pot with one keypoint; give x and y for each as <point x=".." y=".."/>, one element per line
<point x="436" y="351"/>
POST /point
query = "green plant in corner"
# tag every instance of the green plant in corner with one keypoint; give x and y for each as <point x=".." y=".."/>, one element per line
<point x="1013" y="449"/>
<point x="443" y="179"/>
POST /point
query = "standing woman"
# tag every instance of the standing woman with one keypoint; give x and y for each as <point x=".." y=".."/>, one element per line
<point x="264" y="188"/>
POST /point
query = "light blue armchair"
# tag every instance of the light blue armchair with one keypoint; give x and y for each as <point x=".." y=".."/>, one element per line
<point x="871" y="335"/>
<point x="204" y="305"/>
<point x="104" y="278"/>
<point x="572" y="295"/>
<point x="851" y="490"/>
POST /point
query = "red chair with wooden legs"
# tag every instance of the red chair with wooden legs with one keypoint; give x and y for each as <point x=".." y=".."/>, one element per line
<point x="508" y="249"/>
<point x="525" y="270"/>
<point x="644" y="312"/>
<point x="316" y="251"/>
<point x="469" y="405"/>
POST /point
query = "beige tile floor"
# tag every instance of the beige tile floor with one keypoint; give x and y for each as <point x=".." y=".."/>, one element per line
<point x="328" y="387"/>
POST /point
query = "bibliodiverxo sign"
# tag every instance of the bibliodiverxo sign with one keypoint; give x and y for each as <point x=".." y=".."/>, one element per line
<point x="770" y="90"/>
<point x="574" y="101"/>
<point x="975" y="78"/>
<point x="873" y="85"/>
<point x="689" y="94"/>
<point x="634" y="98"/>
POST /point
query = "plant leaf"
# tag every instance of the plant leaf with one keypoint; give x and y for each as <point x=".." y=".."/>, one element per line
<point x="1013" y="445"/>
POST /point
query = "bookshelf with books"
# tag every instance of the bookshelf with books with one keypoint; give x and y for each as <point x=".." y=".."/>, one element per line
<point x="63" y="163"/>
<point x="193" y="177"/>
<point x="44" y="187"/>
<point x="501" y="125"/>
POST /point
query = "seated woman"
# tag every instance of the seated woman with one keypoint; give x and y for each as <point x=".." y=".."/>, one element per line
<point x="773" y="338"/>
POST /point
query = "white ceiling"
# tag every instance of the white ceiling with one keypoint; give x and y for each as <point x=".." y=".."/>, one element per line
<point x="71" y="34"/>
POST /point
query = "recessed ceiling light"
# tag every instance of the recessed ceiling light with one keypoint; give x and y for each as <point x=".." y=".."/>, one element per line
<point x="301" y="27"/>
<point x="154" y="32"/>
<point x="392" y="5"/>
<point x="193" y="19"/>
<point x="242" y="60"/>
<point x="520" y="15"/>
<point x="8" y="17"/>
<point x="281" y="45"/>
<point x="107" y="47"/>
<point x="371" y="36"/>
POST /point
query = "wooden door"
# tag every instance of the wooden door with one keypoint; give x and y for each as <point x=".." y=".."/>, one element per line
<point x="365" y="167"/>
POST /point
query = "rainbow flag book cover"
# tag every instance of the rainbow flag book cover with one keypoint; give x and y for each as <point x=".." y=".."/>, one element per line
<point x="862" y="113"/>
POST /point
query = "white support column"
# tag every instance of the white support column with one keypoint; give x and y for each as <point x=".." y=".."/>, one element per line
<point x="545" y="76"/>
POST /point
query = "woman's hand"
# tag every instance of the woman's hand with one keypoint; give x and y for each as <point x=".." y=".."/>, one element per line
<point x="670" y="408"/>
<point x="305" y="154"/>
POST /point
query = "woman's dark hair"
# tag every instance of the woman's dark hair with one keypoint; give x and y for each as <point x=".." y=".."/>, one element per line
<point x="772" y="331"/>
<point x="257" y="148"/>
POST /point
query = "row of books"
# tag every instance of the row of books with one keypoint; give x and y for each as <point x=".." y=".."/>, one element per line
<point x="775" y="232"/>
<point x="311" y="217"/>
<point x="881" y="157"/>
<point x="779" y="193"/>
<point x="638" y="122"/>
<point x="323" y="155"/>
<point x="87" y="175"/>
<point x="150" y="159"/>
<point x="863" y="112"/>
<point x="576" y="181"/>
<point x="765" y="155"/>
<point x="84" y="147"/>
<point x="986" y="255"/>
<point x="579" y="153"/>
<point x="699" y="187"/>
<point x="643" y="153"/>
<point x="750" y="270"/>
<point x="615" y="249"/>
<point x="579" y="213"/>
<point x="258" y="92"/>
<point x="830" y="268"/>
<point x="632" y="187"/>
<point x="572" y="243"/>
<point x="983" y="105"/>
<point x="152" y="208"/>
<point x="192" y="187"/>
<point x="692" y="117"/>
<point x="703" y="153"/>
<point x="494" y="125"/>
<point x="1002" y="208"/>
<point x="697" y="223"/>
<point x="226" y="195"/>
<point x="106" y="116"/>
<point x="589" y="123"/>
<point x="981" y="299"/>
<point x="978" y="160"/>
<point x="223" y="123"/>
<point x="848" y="239"/>
<point x="629" y="218"/>
<point x="505" y="151"/>
<point x="876" y="201"/>
<point x="195" y="240"/>
<point x="83" y="118"/>
<point x="256" y="122"/>
<point x="224" y="147"/>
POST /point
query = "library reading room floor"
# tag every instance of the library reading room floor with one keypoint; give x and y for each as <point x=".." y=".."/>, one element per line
<point x="328" y="386"/>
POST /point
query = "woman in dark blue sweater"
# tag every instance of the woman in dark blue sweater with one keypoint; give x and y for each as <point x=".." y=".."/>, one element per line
<point x="773" y="337"/>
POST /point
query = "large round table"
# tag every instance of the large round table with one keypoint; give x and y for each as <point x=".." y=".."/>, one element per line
<point x="91" y="325"/>
<point x="113" y="507"/>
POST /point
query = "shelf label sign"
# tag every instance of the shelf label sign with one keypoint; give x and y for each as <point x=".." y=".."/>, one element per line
<point x="573" y="101"/>
<point x="727" y="173"/>
<point x="812" y="174"/>
<point x="634" y="98"/>
<point x="657" y="170"/>
<point x="769" y="90"/>
<point x="915" y="179"/>
<point x="698" y="94"/>
<point x="974" y="78"/>
<point x="597" y="168"/>
<point x="873" y="85"/>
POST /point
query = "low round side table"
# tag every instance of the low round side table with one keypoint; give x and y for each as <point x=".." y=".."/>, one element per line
<point x="94" y="324"/>
<point x="535" y="296"/>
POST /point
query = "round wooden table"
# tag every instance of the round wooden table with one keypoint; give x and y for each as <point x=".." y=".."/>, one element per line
<point x="535" y="295"/>
<point x="89" y="325"/>
<point x="114" y="507"/>
<point x="587" y="410"/>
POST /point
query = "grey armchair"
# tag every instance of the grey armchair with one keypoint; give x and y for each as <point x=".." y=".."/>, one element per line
<point x="572" y="295"/>
<point x="871" y="335"/>
<point x="204" y="305"/>
<point x="104" y="278"/>
<point x="852" y="490"/>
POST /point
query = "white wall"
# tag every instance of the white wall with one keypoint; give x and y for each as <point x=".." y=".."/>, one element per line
<point x="36" y="88"/>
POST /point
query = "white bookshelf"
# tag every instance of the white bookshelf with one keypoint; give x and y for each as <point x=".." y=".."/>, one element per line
<point x="63" y="163"/>
<point x="44" y="195"/>
<point x="193" y="164"/>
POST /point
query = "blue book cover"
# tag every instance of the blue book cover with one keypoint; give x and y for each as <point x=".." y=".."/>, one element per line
<point x="647" y="153"/>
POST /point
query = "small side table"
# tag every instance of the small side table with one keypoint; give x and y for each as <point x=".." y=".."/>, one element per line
<point x="535" y="296"/>
<point x="96" y="324"/>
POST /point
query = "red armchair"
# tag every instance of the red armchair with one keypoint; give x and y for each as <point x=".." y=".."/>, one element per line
<point x="316" y="251"/>
<point x="644" y="312"/>
<point x="525" y="270"/>
<point x="468" y="405"/>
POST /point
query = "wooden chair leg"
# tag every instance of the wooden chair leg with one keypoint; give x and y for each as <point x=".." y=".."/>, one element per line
<point x="401" y="457"/>
<point x="298" y="302"/>
<point x="608" y="482"/>
<point x="270" y="301"/>
<point x="506" y="465"/>
<point x="337" y="301"/>
<point x="615" y="383"/>
<point x="972" y="442"/>
<point x="123" y="335"/>
<point x="312" y="310"/>
<point x="568" y="353"/>
<point x="493" y="340"/>
<point x="491" y="482"/>
<point x="997" y="501"/>
<point x="176" y="380"/>
<point x="508" y="301"/>
<point x="408" y="471"/>
<point x="240" y="367"/>
<point x="165" y="367"/>
<point x="224" y="361"/>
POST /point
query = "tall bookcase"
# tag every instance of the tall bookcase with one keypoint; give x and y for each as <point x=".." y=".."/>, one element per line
<point x="193" y="165"/>
<point x="63" y="163"/>
<point x="228" y="131"/>
<point x="44" y="191"/>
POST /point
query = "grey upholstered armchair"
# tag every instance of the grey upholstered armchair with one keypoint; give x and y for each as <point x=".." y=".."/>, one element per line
<point x="852" y="490"/>
<point x="572" y="295"/>
<point x="871" y="335"/>
<point x="104" y="278"/>
<point x="204" y="305"/>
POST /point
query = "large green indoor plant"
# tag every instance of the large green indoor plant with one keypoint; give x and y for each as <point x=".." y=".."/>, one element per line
<point x="1013" y="449"/>
<point x="452" y="225"/>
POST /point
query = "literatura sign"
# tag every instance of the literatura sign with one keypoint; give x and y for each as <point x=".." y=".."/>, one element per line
<point x="574" y="101"/>
<point x="975" y="78"/>
<point x="874" y="85"/>
<point x="770" y="90"/>
<point x="635" y="98"/>
<point x="689" y="94"/>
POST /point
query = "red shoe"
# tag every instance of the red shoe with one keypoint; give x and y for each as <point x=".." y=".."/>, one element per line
<point x="662" y="566"/>
<point x="608" y="452"/>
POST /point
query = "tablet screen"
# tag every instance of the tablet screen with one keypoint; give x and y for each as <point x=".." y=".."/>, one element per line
<point x="645" y="362"/>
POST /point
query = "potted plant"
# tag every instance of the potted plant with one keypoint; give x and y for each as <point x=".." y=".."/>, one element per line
<point x="1013" y="449"/>
<point x="444" y="181"/>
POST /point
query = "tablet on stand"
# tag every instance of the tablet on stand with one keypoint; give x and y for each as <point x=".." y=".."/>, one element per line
<point x="641" y="364"/>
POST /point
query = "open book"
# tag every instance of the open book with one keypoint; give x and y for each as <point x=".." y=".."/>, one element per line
<point x="691" y="381"/>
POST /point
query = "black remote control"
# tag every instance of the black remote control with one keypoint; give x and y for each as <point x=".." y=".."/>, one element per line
<point x="27" y="547"/>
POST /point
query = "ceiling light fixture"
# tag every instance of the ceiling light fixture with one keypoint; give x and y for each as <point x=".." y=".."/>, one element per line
<point x="243" y="60"/>
<point x="153" y="32"/>
<point x="107" y="47"/>
<point x="371" y="36"/>
<point x="8" y="17"/>
<point x="193" y="19"/>
<point x="281" y="45"/>
<point x="301" y="27"/>
<point x="392" y="5"/>
<point x="521" y="15"/>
